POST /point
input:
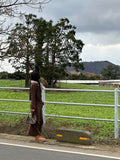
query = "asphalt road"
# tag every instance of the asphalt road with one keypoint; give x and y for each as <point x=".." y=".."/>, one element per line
<point x="9" y="151"/>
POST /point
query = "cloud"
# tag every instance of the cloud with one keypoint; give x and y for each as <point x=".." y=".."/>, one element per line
<point x="101" y="53"/>
<point x="6" y="67"/>
<point x="97" y="22"/>
<point x="87" y="15"/>
<point x="107" y="38"/>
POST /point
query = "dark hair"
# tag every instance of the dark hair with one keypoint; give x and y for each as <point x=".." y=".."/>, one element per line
<point x="35" y="76"/>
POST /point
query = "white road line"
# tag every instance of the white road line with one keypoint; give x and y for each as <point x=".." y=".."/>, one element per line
<point x="57" y="150"/>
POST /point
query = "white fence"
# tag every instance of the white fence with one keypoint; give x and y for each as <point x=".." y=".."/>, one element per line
<point x="116" y="105"/>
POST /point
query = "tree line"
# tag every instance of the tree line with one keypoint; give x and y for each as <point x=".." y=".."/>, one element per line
<point x="107" y="73"/>
<point x="16" y="75"/>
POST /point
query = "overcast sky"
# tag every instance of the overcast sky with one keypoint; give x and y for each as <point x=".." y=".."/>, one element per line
<point x="97" y="22"/>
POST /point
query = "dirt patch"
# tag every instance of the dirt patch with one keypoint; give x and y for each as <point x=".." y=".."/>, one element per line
<point x="20" y="128"/>
<point x="48" y="131"/>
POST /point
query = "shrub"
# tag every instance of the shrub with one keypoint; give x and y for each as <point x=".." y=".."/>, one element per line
<point x="44" y="82"/>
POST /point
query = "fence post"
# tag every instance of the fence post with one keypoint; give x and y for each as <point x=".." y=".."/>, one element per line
<point x="43" y="99"/>
<point x="116" y="125"/>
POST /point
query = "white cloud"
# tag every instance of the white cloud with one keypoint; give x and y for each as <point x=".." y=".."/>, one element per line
<point x="101" y="53"/>
<point x="97" y="23"/>
<point x="104" y="38"/>
<point x="87" y="15"/>
<point x="100" y="47"/>
<point x="6" y="67"/>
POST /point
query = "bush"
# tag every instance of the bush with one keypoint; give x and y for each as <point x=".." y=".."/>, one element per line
<point x="3" y="75"/>
<point x="16" y="75"/>
<point x="44" y="82"/>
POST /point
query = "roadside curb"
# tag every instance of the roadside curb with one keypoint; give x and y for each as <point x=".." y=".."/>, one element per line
<point x="29" y="140"/>
<point x="53" y="145"/>
<point x="48" y="141"/>
<point x="74" y="136"/>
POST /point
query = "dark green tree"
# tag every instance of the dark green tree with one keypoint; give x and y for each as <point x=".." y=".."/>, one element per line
<point x="46" y="47"/>
<point x="111" y="72"/>
<point x="21" y="47"/>
<point x="56" y="48"/>
<point x="42" y="37"/>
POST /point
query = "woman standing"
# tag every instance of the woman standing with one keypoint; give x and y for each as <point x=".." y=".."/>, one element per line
<point x="36" y="107"/>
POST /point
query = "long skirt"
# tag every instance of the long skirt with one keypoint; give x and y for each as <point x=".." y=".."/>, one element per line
<point x="34" y="130"/>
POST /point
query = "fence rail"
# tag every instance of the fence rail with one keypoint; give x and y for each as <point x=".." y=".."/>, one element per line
<point x="116" y="105"/>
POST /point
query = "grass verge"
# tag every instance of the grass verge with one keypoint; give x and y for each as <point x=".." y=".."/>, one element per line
<point x="101" y="131"/>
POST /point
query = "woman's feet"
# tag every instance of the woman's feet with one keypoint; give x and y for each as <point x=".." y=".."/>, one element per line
<point x="39" y="139"/>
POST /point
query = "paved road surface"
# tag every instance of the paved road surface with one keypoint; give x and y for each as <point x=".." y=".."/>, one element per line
<point x="10" y="151"/>
<point x="16" y="147"/>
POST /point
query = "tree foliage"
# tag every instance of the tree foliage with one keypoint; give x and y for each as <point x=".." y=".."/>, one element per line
<point x="46" y="47"/>
<point x="56" y="48"/>
<point x="21" y="46"/>
<point x="111" y="72"/>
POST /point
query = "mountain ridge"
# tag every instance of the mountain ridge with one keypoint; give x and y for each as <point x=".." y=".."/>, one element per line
<point x="92" y="67"/>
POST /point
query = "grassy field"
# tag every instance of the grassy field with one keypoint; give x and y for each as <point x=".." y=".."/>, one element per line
<point x="99" y="129"/>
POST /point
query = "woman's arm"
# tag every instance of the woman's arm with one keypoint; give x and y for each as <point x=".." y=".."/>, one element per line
<point x="33" y="97"/>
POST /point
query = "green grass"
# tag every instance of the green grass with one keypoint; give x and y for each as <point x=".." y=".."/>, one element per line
<point x="82" y="86"/>
<point x="98" y="128"/>
<point x="12" y="83"/>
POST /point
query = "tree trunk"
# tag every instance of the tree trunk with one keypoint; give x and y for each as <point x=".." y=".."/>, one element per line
<point x="27" y="72"/>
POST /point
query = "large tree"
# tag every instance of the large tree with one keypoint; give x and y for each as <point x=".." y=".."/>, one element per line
<point x="21" y="47"/>
<point x="57" y="48"/>
<point x="49" y="47"/>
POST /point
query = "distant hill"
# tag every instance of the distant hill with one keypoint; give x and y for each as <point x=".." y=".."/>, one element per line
<point x="92" y="67"/>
